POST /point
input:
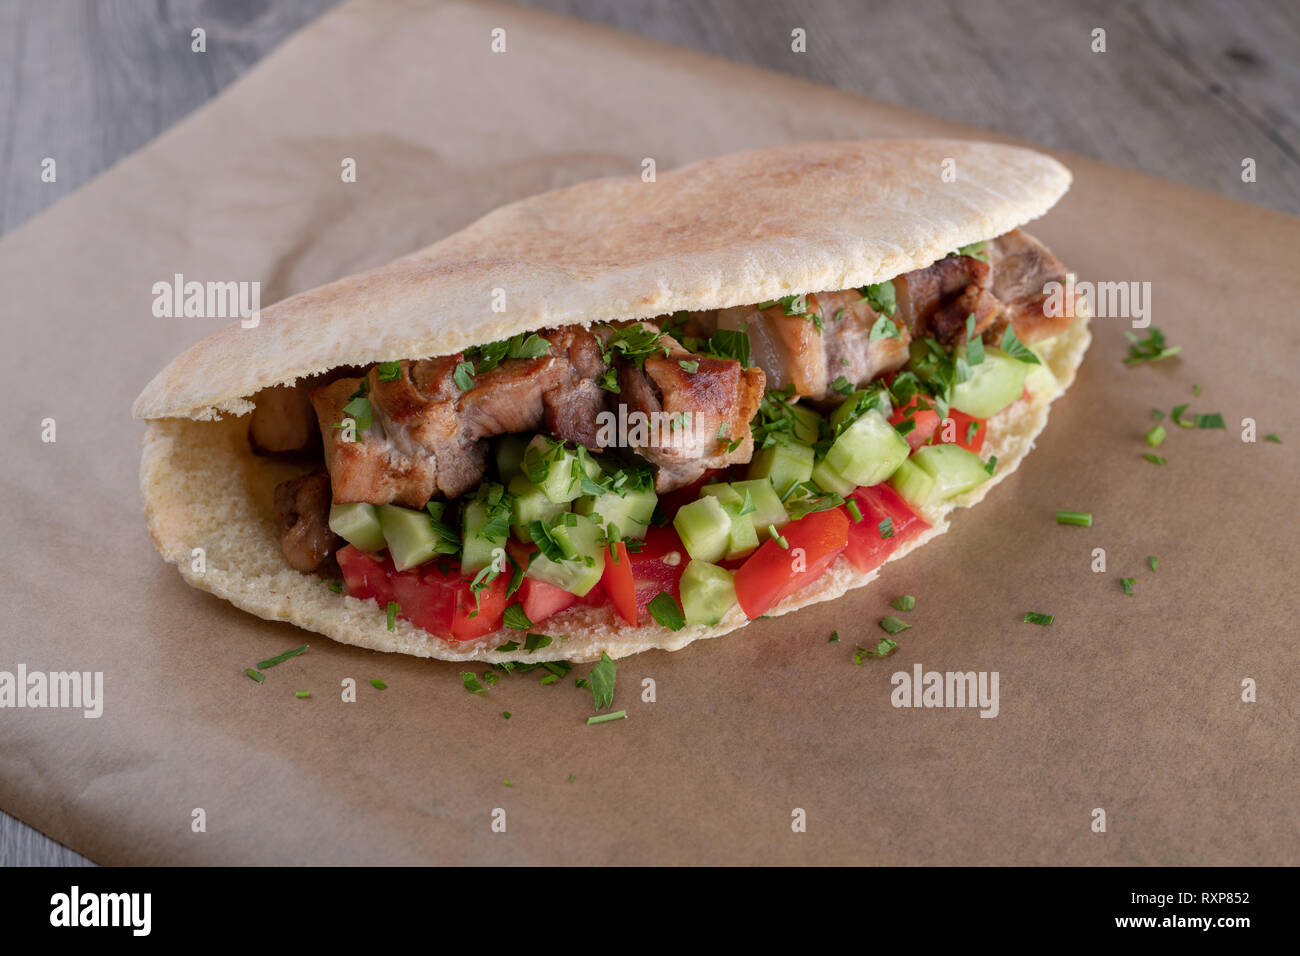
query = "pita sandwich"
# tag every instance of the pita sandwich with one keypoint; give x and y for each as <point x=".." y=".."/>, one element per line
<point x="731" y="393"/>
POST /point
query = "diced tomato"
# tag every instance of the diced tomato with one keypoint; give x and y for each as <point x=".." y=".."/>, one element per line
<point x="926" y="421"/>
<point x="866" y="549"/>
<point x="658" y="566"/>
<point x="618" y="583"/>
<point x="595" y="597"/>
<point x="541" y="600"/>
<point x="438" y="601"/>
<point x="955" y="434"/>
<point x="772" y="573"/>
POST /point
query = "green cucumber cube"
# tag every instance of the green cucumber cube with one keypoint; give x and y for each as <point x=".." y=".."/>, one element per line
<point x="828" y="479"/>
<point x="530" y="504"/>
<point x="1040" y="380"/>
<point x="704" y="528"/>
<point x="849" y="406"/>
<point x="954" y="469"/>
<point x="477" y="549"/>
<point x="784" y="464"/>
<point x="743" y="537"/>
<point x="553" y="468"/>
<point x="994" y="384"/>
<point x="868" y="451"/>
<point x="580" y="570"/>
<point x="510" y="457"/>
<point x="358" y="524"/>
<point x="768" y="509"/>
<point x="807" y="425"/>
<point x="708" y="592"/>
<point x="629" y="512"/>
<point x="410" y="537"/>
<point x="913" y="483"/>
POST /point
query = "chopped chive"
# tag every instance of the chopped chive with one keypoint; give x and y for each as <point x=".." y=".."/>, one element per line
<point x="1196" y="390"/>
<point x="1177" y="417"/>
<point x="780" y="541"/>
<point x="1154" y="562"/>
<point x="508" y="783"/>
<point x="892" y="625"/>
<point x="335" y="586"/>
<point x="302" y="694"/>
<point x="393" y="608"/>
<point x="1156" y="436"/>
<point x="904" y="602"/>
<point x="1212" y="420"/>
<point x="1033" y="617"/>
<point x="256" y="675"/>
<point x="1127" y="584"/>
<point x="886" y="528"/>
<point x="602" y="718"/>
<point x="856" y="513"/>
<point x="280" y="658"/>
<point x="549" y="679"/>
<point x="378" y="684"/>
<point x="1154" y="459"/>
<point x="1082" y="519"/>
<point x="835" y="637"/>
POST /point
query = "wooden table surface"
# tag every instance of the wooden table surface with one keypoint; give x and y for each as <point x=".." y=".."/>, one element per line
<point x="1184" y="90"/>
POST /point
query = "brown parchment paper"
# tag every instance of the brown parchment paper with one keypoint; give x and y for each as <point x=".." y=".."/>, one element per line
<point x="1131" y="704"/>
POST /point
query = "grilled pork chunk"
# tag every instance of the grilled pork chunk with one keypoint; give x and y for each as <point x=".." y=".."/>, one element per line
<point x="792" y="351"/>
<point x="302" y="509"/>
<point x="708" y="406"/>
<point x="1022" y="266"/>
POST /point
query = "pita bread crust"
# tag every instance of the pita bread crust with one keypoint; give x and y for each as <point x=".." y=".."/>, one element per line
<point x="737" y="229"/>
<point x="203" y="487"/>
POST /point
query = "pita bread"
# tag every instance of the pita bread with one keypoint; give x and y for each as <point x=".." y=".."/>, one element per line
<point x="728" y="231"/>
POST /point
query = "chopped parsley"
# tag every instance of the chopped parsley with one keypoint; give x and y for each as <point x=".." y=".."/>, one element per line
<point x="883" y="649"/>
<point x="535" y="642"/>
<point x="389" y="371"/>
<point x="880" y="297"/>
<point x="464" y="376"/>
<point x="904" y="602"/>
<point x="883" y="328"/>
<point x="516" y="618"/>
<point x="1273" y="437"/>
<point x="470" y="680"/>
<point x="378" y="684"/>
<point x="1154" y="459"/>
<point x="886" y="528"/>
<point x="1150" y="349"/>
<point x="975" y="250"/>
<point x="892" y="625"/>
<point x="1034" y="617"/>
<point x="601" y="680"/>
<point x="1127" y="584"/>
<point x="835" y="637"/>
<point x="1154" y="562"/>
<point x="690" y="367"/>
<point x="1213" y="420"/>
<point x="665" y="610"/>
<point x="1017" y="349"/>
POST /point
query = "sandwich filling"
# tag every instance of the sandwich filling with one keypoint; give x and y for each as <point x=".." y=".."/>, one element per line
<point x="670" y="468"/>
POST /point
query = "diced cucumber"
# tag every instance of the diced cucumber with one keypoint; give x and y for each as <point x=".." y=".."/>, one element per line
<point x="358" y="524"/>
<point x="913" y="483"/>
<point x="479" y="549"/>
<point x="868" y="451"/>
<point x="529" y="504"/>
<point x="862" y="398"/>
<point x="1040" y="380"/>
<point x="784" y="464"/>
<point x="510" y="457"/>
<point x="581" y="539"/>
<point x="768" y="509"/>
<point x="552" y="467"/>
<point x="743" y="537"/>
<point x="828" y="479"/>
<point x="806" y="425"/>
<point x="954" y="469"/>
<point x="409" y="535"/>
<point x="994" y="384"/>
<point x="708" y="592"/>
<point x="629" y="512"/>
<point x="704" y="527"/>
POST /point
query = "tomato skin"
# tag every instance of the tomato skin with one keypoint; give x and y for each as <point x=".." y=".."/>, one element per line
<point x="961" y="422"/>
<point x="651" y="570"/>
<point x="866" y="550"/>
<point x="767" y="577"/>
<point x="926" y="422"/>
<point x="619" y="584"/>
<point x="434" y="600"/>
<point x="541" y="600"/>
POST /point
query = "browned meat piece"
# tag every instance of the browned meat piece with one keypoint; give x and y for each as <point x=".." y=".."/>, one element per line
<point x="920" y="293"/>
<point x="1022" y="266"/>
<point x="302" y="509"/>
<point x="571" y="406"/>
<point x="692" y="417"/>
<point x="283" y="421"/>
<point x="791" y="351"/>
<point x="949" y="323"/>
<point x="414" y="447"/>
<point x="508" y="399"/>
<point x="847" y="321"/>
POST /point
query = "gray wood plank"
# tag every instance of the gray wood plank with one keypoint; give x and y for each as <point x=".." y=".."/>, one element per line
<point x="1184" y="91"/>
